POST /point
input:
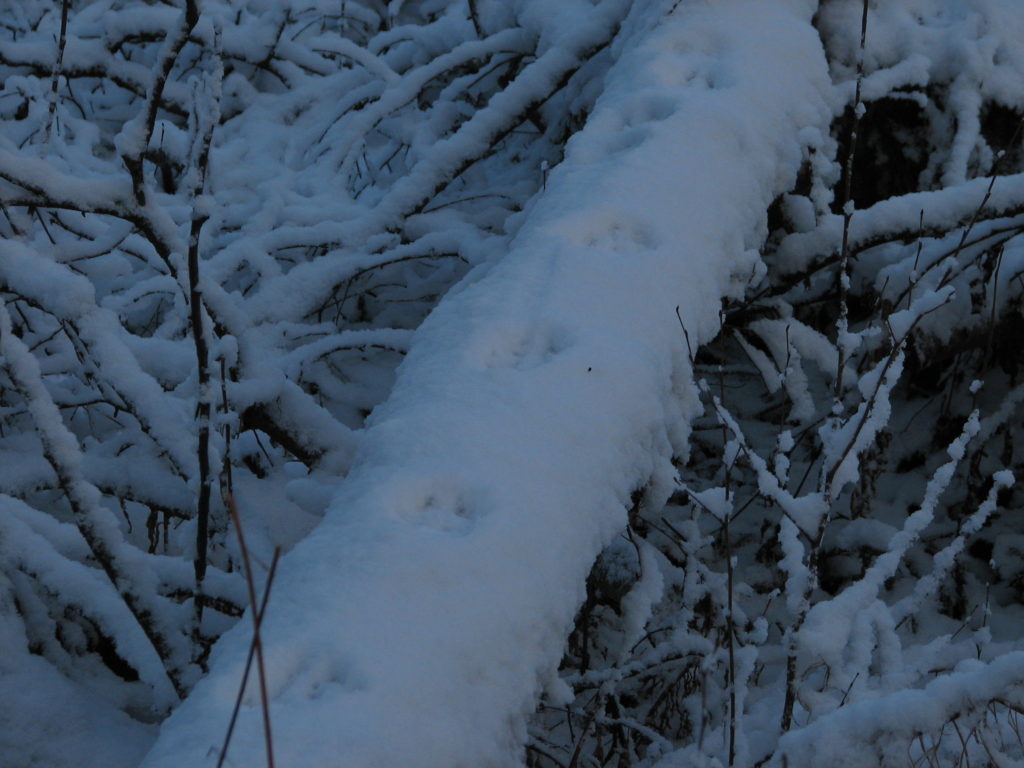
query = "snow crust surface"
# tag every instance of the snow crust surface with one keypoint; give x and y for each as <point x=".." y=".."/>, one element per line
<point x="418" y="623"/>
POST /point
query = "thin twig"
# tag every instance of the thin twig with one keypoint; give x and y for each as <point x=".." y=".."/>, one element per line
<point x="474" y="16"/>
<point x="57" y="65"/>
<point x="258" y="621"/>
<point x="842" y="325"/>
<point x="257" y="643"/>
<point x="686" y="335"/>
<point x="204" y="124"/>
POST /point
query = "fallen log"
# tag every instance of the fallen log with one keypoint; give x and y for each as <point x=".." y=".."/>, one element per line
<point x="418" y="623"/>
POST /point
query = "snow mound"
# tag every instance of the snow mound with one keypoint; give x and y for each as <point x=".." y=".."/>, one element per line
<point x="413" y="627"/>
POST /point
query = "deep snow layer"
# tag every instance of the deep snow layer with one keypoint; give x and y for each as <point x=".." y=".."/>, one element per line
<point x="417" y="624"/>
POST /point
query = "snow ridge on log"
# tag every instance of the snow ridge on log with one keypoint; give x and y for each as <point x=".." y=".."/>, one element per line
<point x="417" y="624"/>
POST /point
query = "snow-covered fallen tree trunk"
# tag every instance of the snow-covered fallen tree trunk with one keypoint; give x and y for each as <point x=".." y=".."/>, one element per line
<point x="418" y="623"/>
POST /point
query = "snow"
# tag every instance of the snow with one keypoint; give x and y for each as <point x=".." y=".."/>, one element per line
<point x="905" y="216"/>
<point x="52" y="722"/>
<point x="415" y="625"/>
<point x="97" y="526"/>
<point x="827" y="629"/>
<point x="71" y="296"/>
<point x="860" y="735"/>
<point x="945" y="558"/>
<point x="639" y="603"/>
<point x="769" y="544"/>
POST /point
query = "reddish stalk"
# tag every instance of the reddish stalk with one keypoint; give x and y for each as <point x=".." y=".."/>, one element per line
<point x="257" y="643"/>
